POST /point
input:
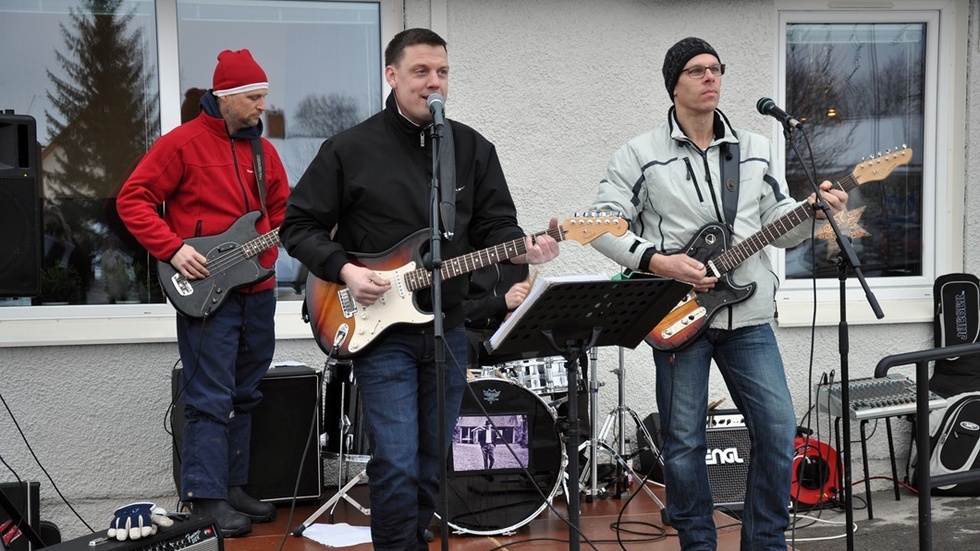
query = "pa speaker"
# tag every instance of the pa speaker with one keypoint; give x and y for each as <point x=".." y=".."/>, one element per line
<point x="281" y="436"/>
<point x="20" y="207"/>
<point x="24" y="497"/>
<point x="727" y="457"/>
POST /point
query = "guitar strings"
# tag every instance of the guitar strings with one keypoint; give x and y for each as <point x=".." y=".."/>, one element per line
<point x="421" y="278"/>
<point x="235" y="256"/>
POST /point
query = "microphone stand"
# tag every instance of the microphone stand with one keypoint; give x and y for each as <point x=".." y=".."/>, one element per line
<point x="846" y="250"/>
<point x="439" y="335"/>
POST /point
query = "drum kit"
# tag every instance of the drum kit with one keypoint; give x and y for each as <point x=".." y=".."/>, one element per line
<point x="508" y="459"/>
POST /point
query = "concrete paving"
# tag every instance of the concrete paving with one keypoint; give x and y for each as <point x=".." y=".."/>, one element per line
<point x="895" y="527"/>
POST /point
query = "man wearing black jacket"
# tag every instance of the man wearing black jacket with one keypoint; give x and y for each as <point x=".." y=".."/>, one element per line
<point x="372" y="183"/>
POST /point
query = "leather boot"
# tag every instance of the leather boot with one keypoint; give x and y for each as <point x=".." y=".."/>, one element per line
<point x="231" y="523"/>
<point x="255" y="510"/>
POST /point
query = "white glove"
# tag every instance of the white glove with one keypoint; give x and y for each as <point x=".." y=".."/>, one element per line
<point x="137" y="520"/>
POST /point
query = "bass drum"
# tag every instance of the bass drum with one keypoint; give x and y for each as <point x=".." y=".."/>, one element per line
<point x="506" y="460"/>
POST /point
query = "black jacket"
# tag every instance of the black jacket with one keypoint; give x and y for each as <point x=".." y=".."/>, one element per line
<point x="372" y="182"/>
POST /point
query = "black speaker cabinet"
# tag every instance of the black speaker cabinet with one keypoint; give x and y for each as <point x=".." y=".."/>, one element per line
<point x="280" y="429"/>
<point x="20" y="207"/>
<point x="727" y="457"/>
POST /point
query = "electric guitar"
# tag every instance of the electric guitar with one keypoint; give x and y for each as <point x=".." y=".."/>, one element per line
<point x="711" y="245"/>
<point x="232" y="263"/>
<point x="343" y="327"/>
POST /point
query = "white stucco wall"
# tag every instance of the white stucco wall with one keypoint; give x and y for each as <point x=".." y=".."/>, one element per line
<point x="558" y="85"/>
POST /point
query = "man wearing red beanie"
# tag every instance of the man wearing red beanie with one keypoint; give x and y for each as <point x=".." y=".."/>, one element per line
<point x="210" y="172"/>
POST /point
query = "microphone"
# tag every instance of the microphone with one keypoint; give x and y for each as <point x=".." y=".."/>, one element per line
<point x="437" y="106"/>
<point x="768" y="107"/>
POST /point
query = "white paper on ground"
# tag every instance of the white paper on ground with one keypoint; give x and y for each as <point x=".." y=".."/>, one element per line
<point x="338" y="535"/>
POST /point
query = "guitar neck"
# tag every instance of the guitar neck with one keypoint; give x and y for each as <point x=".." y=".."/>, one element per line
<point x="421" y="278"/>
<point x="730" y="259"/>
<point x="258" y="245"/>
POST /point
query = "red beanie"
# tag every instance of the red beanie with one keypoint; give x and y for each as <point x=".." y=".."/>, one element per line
<point x="237" y="72"/>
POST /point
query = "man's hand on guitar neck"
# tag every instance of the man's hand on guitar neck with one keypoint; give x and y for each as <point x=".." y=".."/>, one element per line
<point x="683" y="268"/>
<point x="540" y="249"/>
<point x="835" y="198"/>
<point x="364" y="283"/>
<point x="190" y="263"/>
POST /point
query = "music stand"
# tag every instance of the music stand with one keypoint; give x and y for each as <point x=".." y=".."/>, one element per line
<point x="570" y="317"/>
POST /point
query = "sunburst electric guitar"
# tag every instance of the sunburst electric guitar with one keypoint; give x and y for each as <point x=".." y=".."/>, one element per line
<point x="712" y="246"/>
<point x="343" y="327"/>
<point x="232" y="262"/>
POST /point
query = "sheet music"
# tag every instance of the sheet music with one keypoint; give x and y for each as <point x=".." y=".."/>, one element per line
<point x="541" y="284"/>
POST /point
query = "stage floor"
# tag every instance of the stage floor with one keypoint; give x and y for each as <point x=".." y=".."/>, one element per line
<point x="640" y="522"/>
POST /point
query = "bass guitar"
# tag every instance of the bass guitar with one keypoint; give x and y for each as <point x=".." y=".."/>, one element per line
<point x="232" y="262"/>
<point x="712" y="246"/>
<point x="343" y="327"/>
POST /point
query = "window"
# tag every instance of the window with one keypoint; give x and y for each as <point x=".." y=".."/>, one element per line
<point x="866" y="83"/>
<point x="112" y="77"/>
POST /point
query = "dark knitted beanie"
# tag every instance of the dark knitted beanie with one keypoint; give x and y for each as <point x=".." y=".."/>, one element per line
<point x="678" y="55"/>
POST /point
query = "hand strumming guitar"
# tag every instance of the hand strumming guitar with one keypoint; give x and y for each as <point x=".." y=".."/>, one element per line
<point x="684" y="268"/>
<point x="364" y="283"/>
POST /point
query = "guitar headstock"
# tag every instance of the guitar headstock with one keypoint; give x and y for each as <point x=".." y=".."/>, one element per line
<point x="586" y="227"/>
<point x="879" y="167"/>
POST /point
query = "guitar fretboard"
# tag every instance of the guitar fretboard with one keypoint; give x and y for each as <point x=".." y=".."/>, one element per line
<point x="421" y="278"/>
<point x="875" y="169"/>
<point x="260" y="244"/>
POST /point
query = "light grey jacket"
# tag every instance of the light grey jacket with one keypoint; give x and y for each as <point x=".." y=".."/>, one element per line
<point x="668" y="188"/>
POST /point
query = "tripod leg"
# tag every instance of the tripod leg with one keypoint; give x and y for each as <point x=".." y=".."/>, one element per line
<point x="341" y="494"/>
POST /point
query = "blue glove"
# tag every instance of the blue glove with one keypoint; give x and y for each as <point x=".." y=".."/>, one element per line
<point x="137" y="520"/>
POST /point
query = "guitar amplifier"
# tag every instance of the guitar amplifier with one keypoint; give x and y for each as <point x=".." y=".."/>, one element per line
<point x="281" y="437"/>
<point x="727" y="457"/>
<point x="194" y="534"/>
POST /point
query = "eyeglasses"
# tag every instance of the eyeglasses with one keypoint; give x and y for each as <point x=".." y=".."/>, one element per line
<point x="698" y="71"/>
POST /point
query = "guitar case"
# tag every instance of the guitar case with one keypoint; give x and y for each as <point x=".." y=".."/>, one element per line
<point x="956" y="321"/>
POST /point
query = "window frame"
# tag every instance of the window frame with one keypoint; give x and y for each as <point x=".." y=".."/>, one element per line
<point x="154" y="322"/>
<point x="902" y="299"/>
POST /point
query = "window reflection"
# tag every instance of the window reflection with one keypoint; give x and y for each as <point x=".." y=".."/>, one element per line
<point x="859" y="88"/>
<point x="93" y="90"/>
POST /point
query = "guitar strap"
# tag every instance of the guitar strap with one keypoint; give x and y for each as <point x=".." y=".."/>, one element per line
<point x="730" y="182"/>
<point x="259" y="164"/>
<point x="447" y="181"/>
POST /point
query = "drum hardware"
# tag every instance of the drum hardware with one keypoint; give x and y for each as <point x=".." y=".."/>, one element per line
<point x="332" y="503"/>
<point x="598" y="440"/>
<point x="331" y="373"/>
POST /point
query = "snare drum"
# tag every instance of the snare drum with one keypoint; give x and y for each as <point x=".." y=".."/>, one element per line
<point x="539" y="375"/>
<point x="499" y="494"/>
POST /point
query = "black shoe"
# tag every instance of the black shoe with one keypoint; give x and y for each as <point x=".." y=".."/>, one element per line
<point x="255" y="510"/>
<point x="231" y="523"/>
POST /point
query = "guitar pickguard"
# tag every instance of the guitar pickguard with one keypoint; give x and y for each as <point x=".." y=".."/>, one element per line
<point x="691" y="316"/>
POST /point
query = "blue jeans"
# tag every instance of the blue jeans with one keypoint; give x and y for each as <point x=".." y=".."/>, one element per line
<point x="399" y="398"/>
<point x="750" y="363"/>
<point x="224" y="358"/>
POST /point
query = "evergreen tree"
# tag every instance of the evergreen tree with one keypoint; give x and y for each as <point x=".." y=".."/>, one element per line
<point x="105" y="119"/>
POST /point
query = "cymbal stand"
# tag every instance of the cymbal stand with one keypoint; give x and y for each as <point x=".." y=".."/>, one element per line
<point x="618" y="416"/>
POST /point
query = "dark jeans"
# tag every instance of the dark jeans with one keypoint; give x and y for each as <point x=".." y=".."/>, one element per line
<point x="224" y="358"/>
<point x="750" y="363"/>
<point x="397" y="384"/>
